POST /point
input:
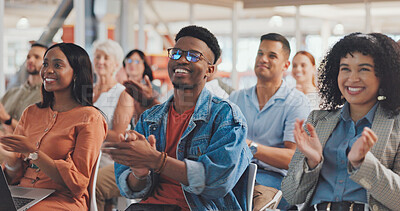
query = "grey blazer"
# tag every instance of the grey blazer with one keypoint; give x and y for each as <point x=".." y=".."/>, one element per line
<point x="379" y="174"/>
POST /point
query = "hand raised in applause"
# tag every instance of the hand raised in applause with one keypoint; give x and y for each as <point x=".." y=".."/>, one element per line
<point x="309" y="145"/>
<point x="6" y="155"/>
<point x="136" y="152"/>
<point x="18" y="143"/>
<point x="360" y="148"/>
<point x="142" y="93"/>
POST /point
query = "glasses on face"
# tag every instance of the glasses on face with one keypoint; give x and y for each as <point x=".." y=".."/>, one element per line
<point x="190" y="55"/>
<point x="132" y="61"/>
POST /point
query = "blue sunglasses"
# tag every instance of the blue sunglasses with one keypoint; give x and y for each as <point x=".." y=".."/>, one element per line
<point x="134" y="61"/>
<point x="190" y="55"/>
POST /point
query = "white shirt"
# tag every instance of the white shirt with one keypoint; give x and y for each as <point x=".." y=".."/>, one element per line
<point x="213" y="87"/>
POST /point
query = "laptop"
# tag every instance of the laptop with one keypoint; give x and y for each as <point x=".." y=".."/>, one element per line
<point x="16" y="198"/>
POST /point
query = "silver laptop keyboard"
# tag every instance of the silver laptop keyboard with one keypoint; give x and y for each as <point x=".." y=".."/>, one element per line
<point x="20" y="202"/>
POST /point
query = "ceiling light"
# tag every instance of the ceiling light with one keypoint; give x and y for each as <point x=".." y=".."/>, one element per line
<point x="275" y="21"/>
<point x="338" y="29"/>
<point x="23" y="23"/>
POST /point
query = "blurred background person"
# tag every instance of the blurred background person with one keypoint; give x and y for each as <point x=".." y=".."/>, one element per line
<point x="15" y="100"/>
<point x="107" y="60"/>
<point x="126" y="110"/>
<point x="138" y="71"/>
<point x="303" y="71"/>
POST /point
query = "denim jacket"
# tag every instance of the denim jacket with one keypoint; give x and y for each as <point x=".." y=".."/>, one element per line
<point x="213" y="147"/>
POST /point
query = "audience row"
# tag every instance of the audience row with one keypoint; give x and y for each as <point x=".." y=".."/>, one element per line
<point x="191" y="151"/>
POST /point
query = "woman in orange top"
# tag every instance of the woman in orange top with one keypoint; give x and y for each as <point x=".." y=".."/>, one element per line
<point x="60" y="136"/>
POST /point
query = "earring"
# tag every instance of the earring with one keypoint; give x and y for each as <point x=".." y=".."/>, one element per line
<point x="73" y="87"/>
<point x="380" y="95"/>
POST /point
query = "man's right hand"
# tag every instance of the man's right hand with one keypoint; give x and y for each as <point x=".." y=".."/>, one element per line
<point x="134" y="151"/>
<point x="308" y="145"/>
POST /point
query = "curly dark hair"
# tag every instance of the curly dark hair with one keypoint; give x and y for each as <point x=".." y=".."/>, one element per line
<point x="204" y="35"/>
<point x="386" y="55"/>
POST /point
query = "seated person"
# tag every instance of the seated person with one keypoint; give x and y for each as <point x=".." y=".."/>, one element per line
<point x="348" y="157"/>
<point x="189" y="151"/>
<point x="57" y="141"/>
<point x="271" y="108"/>
<point x="107" y="59"/>
<point x="121" y="112"/>
<point x="15" y="100"/>
<point x="303" y="72"/>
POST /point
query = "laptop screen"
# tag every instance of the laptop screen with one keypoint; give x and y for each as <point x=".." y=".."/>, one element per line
<point x="6" y="201"/>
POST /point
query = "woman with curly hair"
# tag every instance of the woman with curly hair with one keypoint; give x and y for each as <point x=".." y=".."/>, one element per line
<point x="348" y="155"/>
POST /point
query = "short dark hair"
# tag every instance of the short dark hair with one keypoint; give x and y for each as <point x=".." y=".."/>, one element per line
<point x="204" y="35"/>
<point x="79" y="61"/>
<point x="386" y="55"/>
<point x="147" y="69"/>
<point x="36" y="44"/>
<point x="279" y="38"/>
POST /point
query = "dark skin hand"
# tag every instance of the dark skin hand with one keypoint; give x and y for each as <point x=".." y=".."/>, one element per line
<point x="21" y="144"/>
<point x="141" y="155"/>
<point x="17" y="143"/>
<point x="142" y="93"/>
<point x="136" y="152"/>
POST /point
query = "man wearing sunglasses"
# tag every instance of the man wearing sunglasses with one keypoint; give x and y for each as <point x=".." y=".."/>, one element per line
<point x="191" y="150"/>
<point x="271" y="108"/>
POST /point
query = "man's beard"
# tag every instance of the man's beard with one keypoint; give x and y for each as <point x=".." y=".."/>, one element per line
<point x="34" y="72"/>
<point x="183" y="86"/>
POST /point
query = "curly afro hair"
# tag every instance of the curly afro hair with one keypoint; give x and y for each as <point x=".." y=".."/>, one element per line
<point x="386" y="55"/>
<point x="204" y="35"/>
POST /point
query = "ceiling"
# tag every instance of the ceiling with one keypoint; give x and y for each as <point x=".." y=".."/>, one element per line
<point x="254" y="15"/>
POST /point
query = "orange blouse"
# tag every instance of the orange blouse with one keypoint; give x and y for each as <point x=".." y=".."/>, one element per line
<point x="73" y="140"/>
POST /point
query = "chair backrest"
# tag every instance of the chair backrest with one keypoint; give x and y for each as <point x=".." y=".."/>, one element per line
<point x="92" y="186"/>
<point x="251" y="180"/>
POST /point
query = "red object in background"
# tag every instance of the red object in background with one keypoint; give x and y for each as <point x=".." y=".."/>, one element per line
<point x="68" y="34"/>
<point x="158" y="62"/>
<point x="110" y="33"/>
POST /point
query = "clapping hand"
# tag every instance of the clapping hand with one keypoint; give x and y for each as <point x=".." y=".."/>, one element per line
<point x="6" y="155"/>
<point x="309" y="145"/>
<point x="142" y="93"/>
<point x="360" y="148"/>
<point x="17" y="143"/>
<point x="134" y="151"/>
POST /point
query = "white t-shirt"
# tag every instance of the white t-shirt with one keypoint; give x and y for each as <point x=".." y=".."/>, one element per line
<point x="107" y="102"/>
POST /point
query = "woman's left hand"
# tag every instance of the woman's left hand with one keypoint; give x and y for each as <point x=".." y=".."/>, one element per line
<point x="17" y="143"/>
<point x="360" y="148"/>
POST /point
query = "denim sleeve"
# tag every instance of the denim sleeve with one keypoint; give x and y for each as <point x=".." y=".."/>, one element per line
<point x="298" y="109"/>
<point x="121" y="174"/>
<point x="196" y="176"/>
<point x="218" y="170"/>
